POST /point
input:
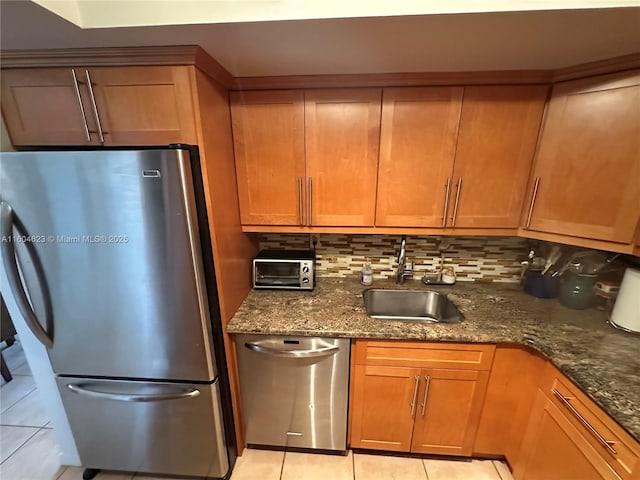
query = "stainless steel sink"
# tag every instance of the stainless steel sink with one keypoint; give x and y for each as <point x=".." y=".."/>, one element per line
<point x="420" y="305"/>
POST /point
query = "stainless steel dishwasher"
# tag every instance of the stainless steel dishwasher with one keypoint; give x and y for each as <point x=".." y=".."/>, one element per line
<point x="294" y="390"/>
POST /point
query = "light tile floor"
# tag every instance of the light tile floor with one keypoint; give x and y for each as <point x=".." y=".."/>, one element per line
<point x="275" y="465"/>
<point x="28" y="450"/>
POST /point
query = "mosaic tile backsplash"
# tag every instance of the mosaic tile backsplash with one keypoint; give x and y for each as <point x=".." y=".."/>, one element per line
<point x="485" y="259"/>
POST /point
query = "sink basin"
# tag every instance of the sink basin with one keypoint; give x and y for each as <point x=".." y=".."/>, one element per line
<point x="419" y="305"/>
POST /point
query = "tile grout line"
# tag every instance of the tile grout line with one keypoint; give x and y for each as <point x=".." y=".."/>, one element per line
<point x="62" y="472"/>
<point x="284" y="457"/>
<point x="497" y="471"/>
<point x="424" y="466"/>
<point x="353" y="464"/>
<point x="4" y="409"/>
<point x="22" y="444"/>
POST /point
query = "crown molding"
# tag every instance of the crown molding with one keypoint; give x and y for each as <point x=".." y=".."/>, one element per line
<point x="599" y="67"/>
<point x="195" y="55"/>
<point x="118" y="56"/>
<point x="394" y="80"/>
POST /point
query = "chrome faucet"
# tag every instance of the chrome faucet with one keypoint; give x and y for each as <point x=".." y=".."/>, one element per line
<point x="403" y="271"/>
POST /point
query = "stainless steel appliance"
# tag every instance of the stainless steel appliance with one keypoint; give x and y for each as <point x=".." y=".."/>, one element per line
<point x="294" y="390"/>
<point x="108" y="256"/>
<point x="290" y="269"/>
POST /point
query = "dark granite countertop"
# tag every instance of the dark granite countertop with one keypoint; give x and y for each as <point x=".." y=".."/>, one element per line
<point x="602" y="361"/>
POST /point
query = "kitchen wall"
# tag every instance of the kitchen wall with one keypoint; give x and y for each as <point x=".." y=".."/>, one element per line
<point x="486" y="259"/>
<point x="5" y="142"/>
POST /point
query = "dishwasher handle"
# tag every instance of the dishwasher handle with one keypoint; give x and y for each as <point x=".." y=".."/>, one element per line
<point x="318" y="352"/>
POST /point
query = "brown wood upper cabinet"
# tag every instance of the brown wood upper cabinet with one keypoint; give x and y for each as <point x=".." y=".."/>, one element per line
<point x="454" y="159"/>
<point x="108" y="106"/>
<point x="417" y="148"/>
<point x="342" y="133"/>
<point x="586" y="178"/>
<point x="307" y="158"/>
<point x="497" y="137"/>
<point x="268" y="134"/>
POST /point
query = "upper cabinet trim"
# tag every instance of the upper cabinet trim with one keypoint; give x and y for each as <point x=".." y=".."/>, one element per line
<point x="195" y="55"/>
<point x="119" y="56"/>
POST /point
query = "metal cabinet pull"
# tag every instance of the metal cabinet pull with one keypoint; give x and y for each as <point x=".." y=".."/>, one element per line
<point x="309" y="206"/>
<point x="455" y="206"/>
<point x="567" y="403"/>
<point x="427" y="379"/>
<point x="300" y="201"/>
<point x="415" y="396"/>
<point x="446" y="202"/>
<point x="533" y="201"/>
<point x="7" y="250"/>
<point x="84" y="116"/>
<point x="94" y="106"/>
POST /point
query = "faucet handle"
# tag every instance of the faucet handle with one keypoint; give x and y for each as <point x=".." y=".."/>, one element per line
<point x="408" y="270"/>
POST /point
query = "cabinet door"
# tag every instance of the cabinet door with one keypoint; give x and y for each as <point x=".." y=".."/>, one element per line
<point x="41" y="106"/>
<point x="588" y="163"/>
<point x="448" y="413"/>
<point x="513" y="383"/>
<point x="496" y="142"/>
<point x="383" y="407"/>
<point x="554" y="450"/>
<point x="417" y="145"/>
<point x="268" y="135"/>
<point x="342" y="133"/>
<point x="144" y="105"/>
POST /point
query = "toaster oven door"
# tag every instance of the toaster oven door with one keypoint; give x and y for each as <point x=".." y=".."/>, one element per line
<point x="276" y="274"/>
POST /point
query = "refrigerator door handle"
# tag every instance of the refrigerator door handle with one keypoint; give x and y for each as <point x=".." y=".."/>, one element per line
<point x="134" y="397"/>
<point x="13" y="276"/>
<point x="320" y="352"/>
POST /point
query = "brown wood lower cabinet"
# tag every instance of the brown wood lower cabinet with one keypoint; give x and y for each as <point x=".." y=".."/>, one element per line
<point x="554" y="449"/>
<point x="382" y="407"/>
<point x="484" y="401"/>
<point x="417" y="407"/>
<point x="609" y="449"/>
<point x="448" y="410"/>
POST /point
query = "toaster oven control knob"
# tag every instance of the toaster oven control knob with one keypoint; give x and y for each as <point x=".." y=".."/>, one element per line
<point x="305" y="269"/>
<point x="305" y="280"/>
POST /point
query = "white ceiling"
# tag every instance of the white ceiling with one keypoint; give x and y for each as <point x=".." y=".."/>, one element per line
<point x="542" y="39"/>
<point x="137" y="13"/>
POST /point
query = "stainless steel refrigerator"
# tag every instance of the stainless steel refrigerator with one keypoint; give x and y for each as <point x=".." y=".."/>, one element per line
<point x="108" y="256"/>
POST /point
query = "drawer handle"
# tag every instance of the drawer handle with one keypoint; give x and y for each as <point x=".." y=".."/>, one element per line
<point x="414" y="404"/>
<point x="310" y="199"/>
<point x="533" y="201"/>
<point x="300" y="200"/>
<point x="427" y="379"/>
<point x="84" y="116"/>
<point x="94" y="106"/>
<point x="455" y="205"/>
<point x="566" y="402"/>
<point x="446" y="201"/>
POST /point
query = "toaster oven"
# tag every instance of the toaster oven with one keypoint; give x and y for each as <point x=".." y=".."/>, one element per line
<point x="290" y="269"/>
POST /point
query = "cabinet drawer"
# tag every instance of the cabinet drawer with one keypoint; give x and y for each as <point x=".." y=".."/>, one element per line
<point x="616" y="446"/>
<point x="461" y="356"/>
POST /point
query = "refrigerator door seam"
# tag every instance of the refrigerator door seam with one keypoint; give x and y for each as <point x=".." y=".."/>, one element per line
<point x="193" y="235"/>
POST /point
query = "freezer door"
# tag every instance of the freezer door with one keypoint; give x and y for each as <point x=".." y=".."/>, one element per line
<point x="168" y="428"/>
<point x="107" y="245"/>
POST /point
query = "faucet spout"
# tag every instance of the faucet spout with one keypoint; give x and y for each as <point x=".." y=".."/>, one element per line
<point x="402" y="260"/>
